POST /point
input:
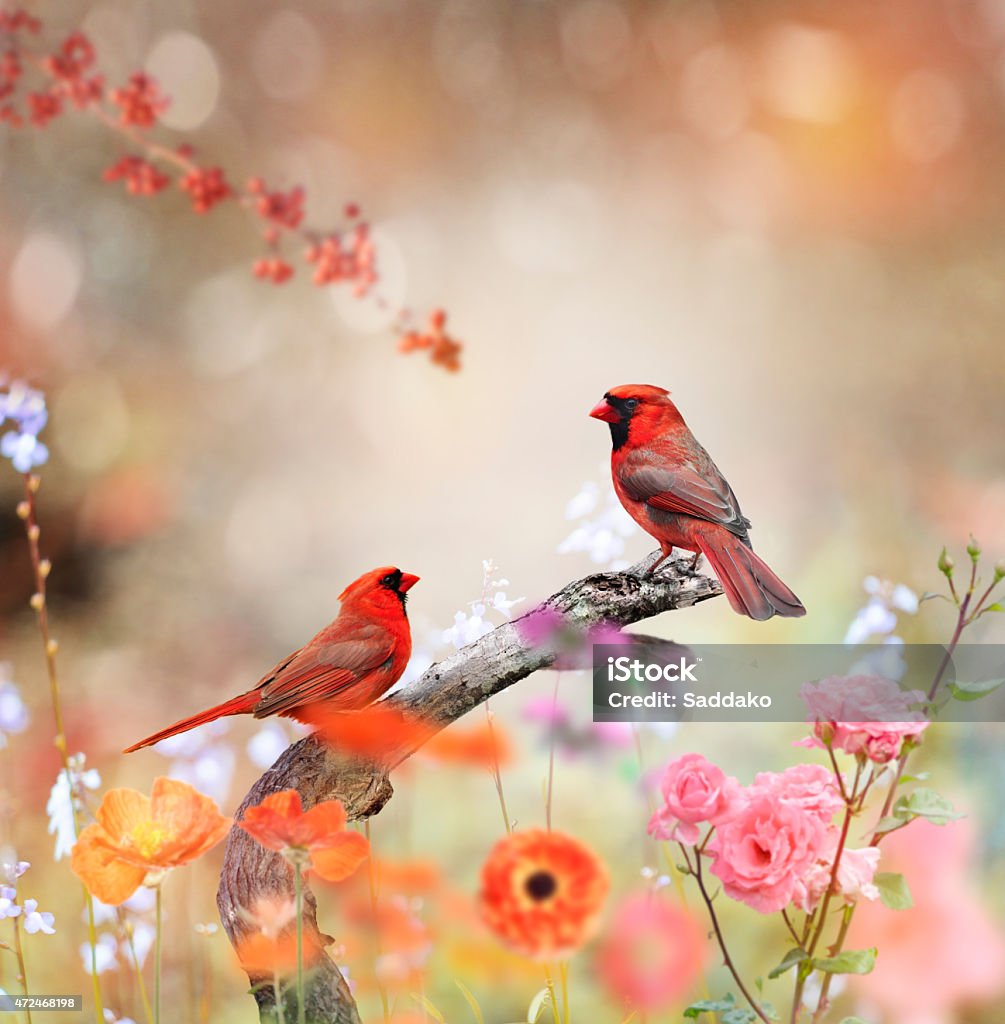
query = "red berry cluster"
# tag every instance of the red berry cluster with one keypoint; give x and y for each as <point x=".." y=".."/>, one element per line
<point x="443" y="350"/>
<point x="206" y="186"/>
<point x="345" y="257"/>
<point x="140" y="101"/>
<point x="17" y="20"/>
<point x="141" y="177"/>
<point x="283" y="208"/>
<point x="70" y="68"/>
<point x="43" y="107"/>
<point x="273" y="269"/>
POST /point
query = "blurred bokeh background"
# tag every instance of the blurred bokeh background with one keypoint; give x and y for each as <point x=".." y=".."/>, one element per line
<point x="790" y="214"/>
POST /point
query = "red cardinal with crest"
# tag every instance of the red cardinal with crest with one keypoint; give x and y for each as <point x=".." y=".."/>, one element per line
<point x="347" y="666"/>
<point x="671" y="487"/>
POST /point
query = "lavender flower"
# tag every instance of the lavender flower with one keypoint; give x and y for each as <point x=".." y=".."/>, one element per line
<point x="36" y="920"/>
<point x="12" y="872"/>
<point x="25" y="407"/>
<point x="8" y="904"/>
<point x="13" y="713"/>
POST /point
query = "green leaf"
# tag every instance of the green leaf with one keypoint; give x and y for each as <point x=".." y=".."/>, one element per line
<point x="889" y="825"/>
<point x="917" y="777"/>
<point x="927" y="804"/>
<point x="723" y="1005"/>
<point x="537" y="1005"/>
<point x="974" y="691"/>
<point x="893" y="890"/>
<point x="430" y="1009"/>
<point x="851" y="961"/>
<point x="852" y="1020"/>
<point x="998" y="606"/>
<point x="790" y="960"/>
<point x="471" y="1001"/>
<point x="738" y="1015"/>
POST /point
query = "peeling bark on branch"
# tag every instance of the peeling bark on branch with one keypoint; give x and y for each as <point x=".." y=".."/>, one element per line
<point x="444" y="693"/>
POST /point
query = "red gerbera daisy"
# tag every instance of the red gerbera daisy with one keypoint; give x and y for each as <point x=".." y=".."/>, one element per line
<point x="542" y="893"/>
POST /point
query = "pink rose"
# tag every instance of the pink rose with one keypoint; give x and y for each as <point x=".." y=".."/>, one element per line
<point x="867" y="715"/>
<point x="695" y="792"/>
<point x="811" y="786"/>
<point x="854" y="878"/>
<point x="764" y="855"/>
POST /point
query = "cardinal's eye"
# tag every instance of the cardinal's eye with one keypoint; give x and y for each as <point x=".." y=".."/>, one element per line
<point x="388" y="580"/>
<point x="632" y="403"/>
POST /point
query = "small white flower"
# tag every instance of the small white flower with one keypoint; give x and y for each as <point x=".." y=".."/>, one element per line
<point x="13" y="713"/>
<point x="36" y="920"/>
<point x="601" y="537"/>
<point x="210" y="771"/>
<point x="8" y="906"/>
<point x="583" y="503"/>
<point x="467" y="628"/>
<point x="502" y="604"/>
<point x="60" y="805"/>
<point x="104" y="954"/>
<point x="267" y="744"/>
<point x="112" y="1018"/>
<point x="143" y="940"/>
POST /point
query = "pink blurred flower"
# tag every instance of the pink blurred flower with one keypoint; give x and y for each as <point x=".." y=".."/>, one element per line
<point x="547" y="710"/>
<point x="947" y="938"/>
<point x="695" y="792"/>
<point x="764" y="855"/>
<point x="653" y="952"/>
<point x="854" y="878"/>
<point x="613" y="734"/>
<point x="811" y="786"/>
<point x="868" y="715"/>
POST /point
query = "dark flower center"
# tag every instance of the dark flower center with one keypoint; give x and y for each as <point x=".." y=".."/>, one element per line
<point x="540" y="885"/>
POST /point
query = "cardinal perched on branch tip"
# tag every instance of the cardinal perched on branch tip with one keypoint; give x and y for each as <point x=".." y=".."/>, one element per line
<point x="671" y="487"/>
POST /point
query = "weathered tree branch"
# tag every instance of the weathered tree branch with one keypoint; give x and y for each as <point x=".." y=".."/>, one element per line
<point x="444" y="693"/>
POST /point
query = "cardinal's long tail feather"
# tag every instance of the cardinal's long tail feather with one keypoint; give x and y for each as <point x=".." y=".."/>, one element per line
<point x="752" y="588"/>
<point x="237" y="706"/>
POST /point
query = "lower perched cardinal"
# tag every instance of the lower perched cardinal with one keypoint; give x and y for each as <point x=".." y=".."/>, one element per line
<point x="347" y="666"/>
<point x="673" y="490"/>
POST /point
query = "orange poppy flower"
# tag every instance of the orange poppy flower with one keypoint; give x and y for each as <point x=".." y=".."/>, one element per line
<point x="542" y="893"/>
<point x="381" y="733"/>
<point x="280" y="823"/>
<point x="137" y="835"/>
<point x="268" y="955"/>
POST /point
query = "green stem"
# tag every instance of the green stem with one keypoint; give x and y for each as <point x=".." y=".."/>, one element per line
<point x="298" y="883"/>
<point x="127" y="928"/>
<point x="277" y="986"/>
<point x="552" y="998"/>
<point x="496" y="771"/>
<point x="371" y="877"/>
<point x="158" y="921"/>
<point x="563" y="972"/>
<point x="551" y="754"/>
<point x="825" y="986"/>
<point x="22" y="970"/>
<point x="28" y="511"/>
<point x="727" y="960"/>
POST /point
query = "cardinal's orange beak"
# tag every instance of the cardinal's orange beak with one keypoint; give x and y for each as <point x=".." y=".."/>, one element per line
<point x="407" y="582"/>
<point x="603" y="411"/>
